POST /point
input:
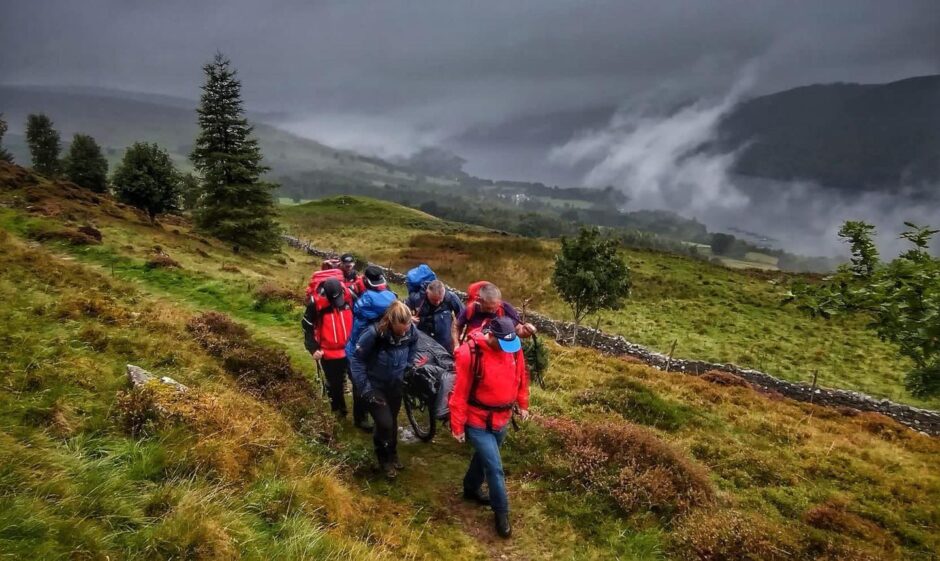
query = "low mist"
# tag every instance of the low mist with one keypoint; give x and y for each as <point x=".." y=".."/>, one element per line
<point x="664" y="161"/>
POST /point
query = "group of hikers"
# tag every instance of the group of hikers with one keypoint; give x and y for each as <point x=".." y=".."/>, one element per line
<point x="355" y="325"/>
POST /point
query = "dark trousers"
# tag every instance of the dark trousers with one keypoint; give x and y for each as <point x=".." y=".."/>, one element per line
<point x="335" y="370"/>
<point x="385" y="434"/>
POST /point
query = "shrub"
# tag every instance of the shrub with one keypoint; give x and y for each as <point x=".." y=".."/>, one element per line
<point x="92" y="305"/>
<point x="91" y="231"/>
<point x="270" y="293"/>
<point x="726" y="535"/>
<point x="162" y="261"/>
<point x="635" y="402"/>
<point x="725" y="379"/>
<point x="833" y="515"/>
<point x="72" y="237"/>
<point x="137" y="411"/>
<point x="633" y="466"/>
<point x="883" y="427"/>
<point x="263" y="371"/>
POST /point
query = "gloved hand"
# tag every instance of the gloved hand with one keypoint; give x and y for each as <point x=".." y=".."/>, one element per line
<point x="374" y="397"/>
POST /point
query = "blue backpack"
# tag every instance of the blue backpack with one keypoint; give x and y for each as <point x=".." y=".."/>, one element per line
<point x="368" y="309"/>
<point x="419" y="278"/>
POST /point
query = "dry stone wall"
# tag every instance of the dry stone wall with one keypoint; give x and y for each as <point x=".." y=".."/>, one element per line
<point x="922" y="420"/>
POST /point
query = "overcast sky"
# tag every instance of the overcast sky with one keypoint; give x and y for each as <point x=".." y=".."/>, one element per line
<point x="534" y="89"/>
<point x="435" y="68"/>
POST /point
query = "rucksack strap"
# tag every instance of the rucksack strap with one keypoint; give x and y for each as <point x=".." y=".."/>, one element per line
<point x="476" y="369"/>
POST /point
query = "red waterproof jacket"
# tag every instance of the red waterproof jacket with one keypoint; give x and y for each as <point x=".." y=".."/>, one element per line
<point x="355" y="283"/>
<point x="326" y="328"/>
<point x="501" y="382"/>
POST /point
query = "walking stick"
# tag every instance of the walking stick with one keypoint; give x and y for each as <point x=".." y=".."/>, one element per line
<point x="322" y="376"/>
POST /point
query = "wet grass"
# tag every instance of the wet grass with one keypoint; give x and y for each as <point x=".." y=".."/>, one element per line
<point x="232" y="475"/>
<point x="710" y="312"/>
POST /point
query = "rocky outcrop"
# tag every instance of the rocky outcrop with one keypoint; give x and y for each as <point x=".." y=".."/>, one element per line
<point x="138" y="377"/>
<point x="922" y="420"/>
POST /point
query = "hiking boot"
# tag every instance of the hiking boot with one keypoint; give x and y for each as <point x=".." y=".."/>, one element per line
<point x="396" y="463"/>
<point x="502" y="524"/>
<point x="364" y="426"/>
<point x="389" y="470"/>
<point x="477" y="496"/>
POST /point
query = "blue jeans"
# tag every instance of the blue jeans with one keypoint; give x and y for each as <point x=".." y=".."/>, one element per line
<point x="487" y="465"/>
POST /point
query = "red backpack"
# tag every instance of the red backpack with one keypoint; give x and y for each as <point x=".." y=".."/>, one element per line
<point x="333" y="326"/>
<point x="505" y="399"/>
<point x="320" y="276"/>
<point x="473" y="299"/>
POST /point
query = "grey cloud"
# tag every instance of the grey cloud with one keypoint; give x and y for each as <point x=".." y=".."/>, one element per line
<point x="388" y="76"/>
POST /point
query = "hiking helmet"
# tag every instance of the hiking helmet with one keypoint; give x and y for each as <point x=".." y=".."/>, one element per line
<point x="374" y="277"/>
<point x="347" y="258"/>
<point x="504" y="330"/>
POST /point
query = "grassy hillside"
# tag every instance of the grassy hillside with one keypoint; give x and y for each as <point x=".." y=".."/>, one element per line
<point x="620" y="461"/>
<point x="711" y="312"/>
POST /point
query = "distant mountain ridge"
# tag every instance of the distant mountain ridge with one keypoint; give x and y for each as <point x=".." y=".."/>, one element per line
<point x="853" y="137"/>
<point x="116" y="119"/>
<point x="849" y="136"/>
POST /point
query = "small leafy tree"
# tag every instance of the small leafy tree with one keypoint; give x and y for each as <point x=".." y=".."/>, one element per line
<point x="721" y="243"/>
<point x="44" y="146"/>
<point x="590" y="275"/>
<point x="147" y="180"/>
<point x="864" y="252"/>
<point x="235" y="205"/>
<point x="85" y="165"/>
<point x="192" y="190"/>
<point x="5" y="155"/>
<point x="903" y="298"/>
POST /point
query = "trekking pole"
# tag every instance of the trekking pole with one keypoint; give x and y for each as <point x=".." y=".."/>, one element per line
<point x="322" y="376"/>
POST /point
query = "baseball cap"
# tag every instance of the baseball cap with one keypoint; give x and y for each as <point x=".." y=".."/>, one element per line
<point x="504" y="330"/>
<point x="374" y="277"/>
<point x="333" y="290"/>
<point x="347" y="258"/>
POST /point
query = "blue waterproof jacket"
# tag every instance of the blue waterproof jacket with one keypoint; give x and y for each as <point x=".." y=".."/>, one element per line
<point x="436" y="321"/>
<point x="368" y="309"/>
<point x="380" y="361"/>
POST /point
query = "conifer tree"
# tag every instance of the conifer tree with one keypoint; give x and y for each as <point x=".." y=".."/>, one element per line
<point x="85" y="165"/>
<point x="43" y="141"/>
<point x="234" y="204"/>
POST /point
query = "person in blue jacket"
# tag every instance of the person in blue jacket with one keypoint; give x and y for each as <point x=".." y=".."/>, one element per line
<point x="435" y="310"/>
<point x="368" y="309"/>
<point x="382" y="354"/>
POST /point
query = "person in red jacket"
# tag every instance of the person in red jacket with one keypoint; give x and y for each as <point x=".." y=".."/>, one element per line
<point x="491" y="382"/>
<point x="327" y="324"/>
<point x="352" y="279"/>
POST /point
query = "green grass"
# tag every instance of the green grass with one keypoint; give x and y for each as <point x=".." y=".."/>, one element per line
<point x="712" y="313"/>
<point x="230" y="478"/>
